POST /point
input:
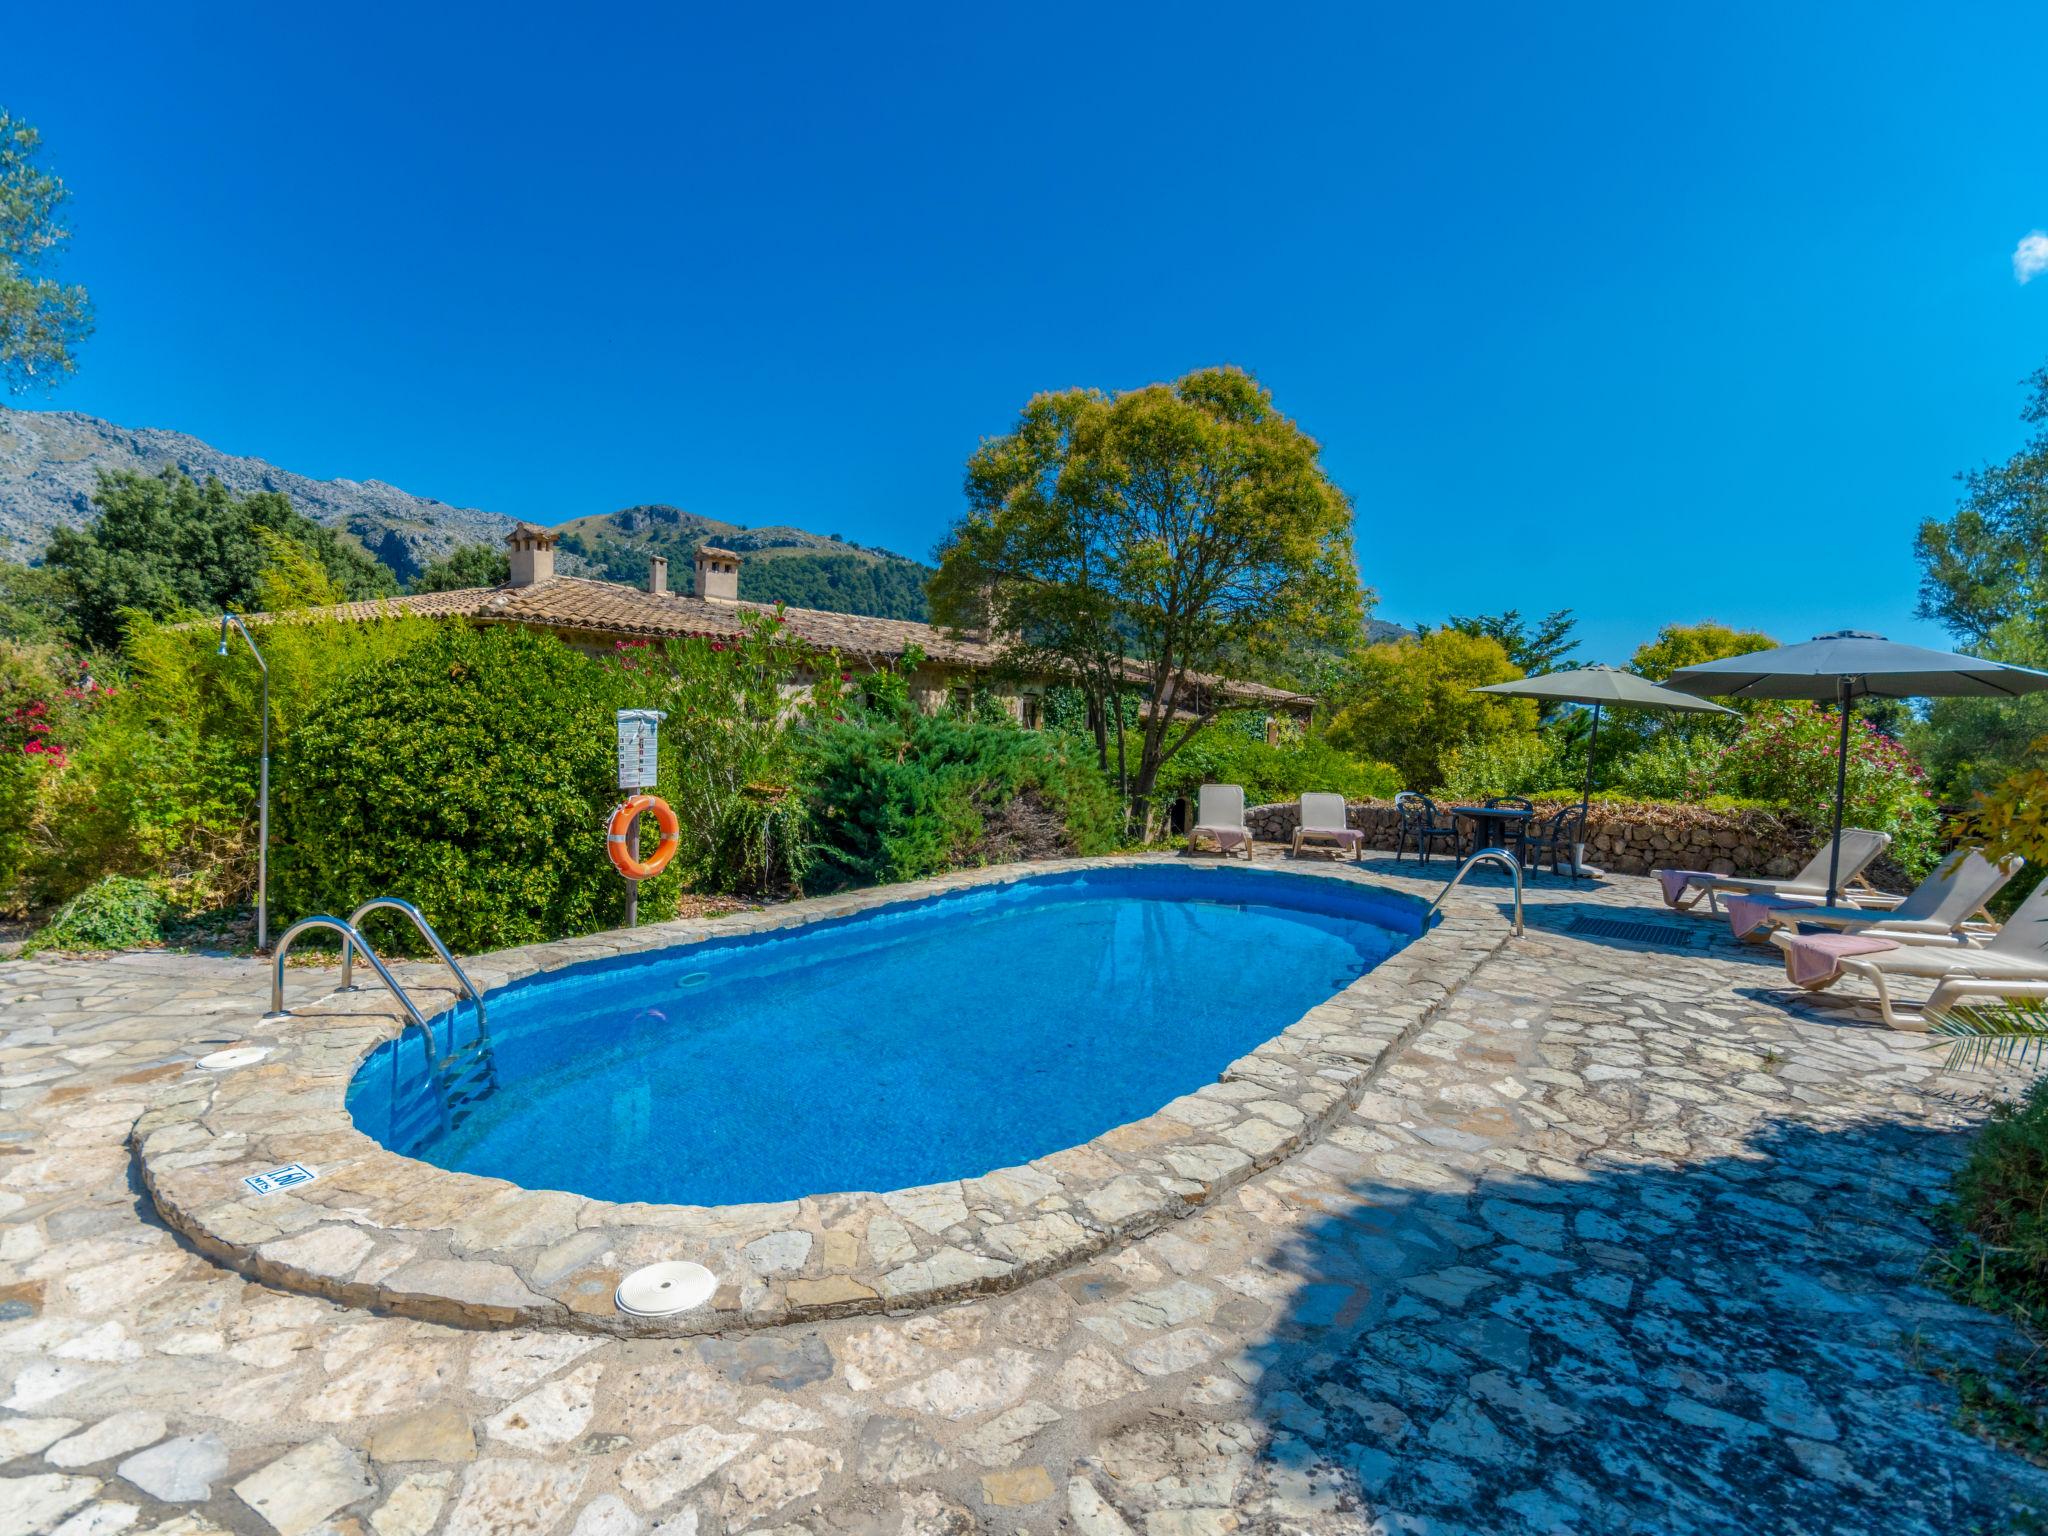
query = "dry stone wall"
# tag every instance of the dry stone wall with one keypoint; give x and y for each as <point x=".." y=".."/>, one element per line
<point x="1626" y="838"/>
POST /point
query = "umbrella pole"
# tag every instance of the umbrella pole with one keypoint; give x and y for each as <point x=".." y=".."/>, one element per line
<point x="1841" y="793"/>
<point x="1592" y="737"/>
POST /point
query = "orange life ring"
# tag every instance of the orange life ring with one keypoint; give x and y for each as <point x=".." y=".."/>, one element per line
<point x="616" y="834"/>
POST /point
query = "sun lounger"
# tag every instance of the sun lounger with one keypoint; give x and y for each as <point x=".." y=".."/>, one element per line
<point x="1938" y="910"/>
<point x="1220" y="819"/>
<point x="1322" y="821"/>
<point x="1683" y="888"/>
<point x="2014" y="964"/>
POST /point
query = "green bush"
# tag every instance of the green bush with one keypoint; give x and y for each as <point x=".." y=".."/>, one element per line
<point x="1671" y="766"/>
<point x="896" y="795"/>
<point x="2000" y="1199"/>
<point x="734" y="714"/>
<point x="1235" y="751"/>
<point x="472" y="776"/>
<point x="1503" y="765"/>
<point x="114" y="913"/>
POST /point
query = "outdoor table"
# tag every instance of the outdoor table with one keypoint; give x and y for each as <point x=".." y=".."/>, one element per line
<point x="1490" y="823"/>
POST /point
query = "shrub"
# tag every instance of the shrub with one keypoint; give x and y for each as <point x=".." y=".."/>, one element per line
<point x="1504" y="765"/>
<point x="1234" y="750"/>
<point x="897" y="795"/>
<point x="1671" y="767"/>
<point x="2001" y="1200"/>
<point x="471" y="775"/>
<point x="734" y="711"/>
<point x="114" y="913"/>
<point x="159" y="777"/>
<point x="1787" y="755"/>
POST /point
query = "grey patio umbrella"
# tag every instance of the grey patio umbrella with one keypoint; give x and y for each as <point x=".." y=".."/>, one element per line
<point x="1600" y="686"/>
<point x="1847" y="666"/>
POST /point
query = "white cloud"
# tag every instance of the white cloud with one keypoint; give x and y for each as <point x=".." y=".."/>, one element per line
<point x="2030" y="256"/>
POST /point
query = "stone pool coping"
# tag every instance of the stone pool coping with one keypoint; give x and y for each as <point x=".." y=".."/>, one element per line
<point x="383" y="1231"/>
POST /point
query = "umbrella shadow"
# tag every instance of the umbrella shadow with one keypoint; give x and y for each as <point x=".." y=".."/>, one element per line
<point x="1736" y="1344"/>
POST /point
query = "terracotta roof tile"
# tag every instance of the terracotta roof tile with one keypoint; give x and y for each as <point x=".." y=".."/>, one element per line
<point x="613" y="608"/>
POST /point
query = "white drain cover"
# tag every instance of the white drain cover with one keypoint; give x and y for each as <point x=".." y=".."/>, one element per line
<point x="660" y="1289"/>
<point x="240" y="1056"/>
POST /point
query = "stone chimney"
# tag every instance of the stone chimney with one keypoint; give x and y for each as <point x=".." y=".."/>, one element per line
<point x="718" y="574"/>
<point x="533" y="554"/>
<point x="657" y="575"/>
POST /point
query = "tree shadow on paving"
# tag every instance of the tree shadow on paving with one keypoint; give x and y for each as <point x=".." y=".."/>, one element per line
<point x="1739" y="1344"/>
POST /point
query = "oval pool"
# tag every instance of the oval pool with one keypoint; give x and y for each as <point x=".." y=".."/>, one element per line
<point x="909" y="1044"/>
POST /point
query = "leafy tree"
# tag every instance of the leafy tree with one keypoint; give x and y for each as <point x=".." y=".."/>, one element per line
<point x="885" y="588"/>
<point x="2012" y="818"/>
<point x="466" y="565"/>
<point x="1536" y="647"/>
<point x="1410" y="703"/>
<point x="882" y="589"/>
<point x="1987" y="566"/>
<point x="1972" y="745"/>
<point x="1145" y="537"/>
<point x="32" y="603"/>
<point x="41" y="320"/>
<point x="164" y="545"/>
<point x="1984" y="575"/>
<point x="1689" y="645"/>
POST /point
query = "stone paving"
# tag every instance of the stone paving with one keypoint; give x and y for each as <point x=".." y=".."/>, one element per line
<point x="1623" y="1240"/>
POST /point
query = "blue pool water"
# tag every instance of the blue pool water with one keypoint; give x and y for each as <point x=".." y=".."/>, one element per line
<point x="928" y="1040"/>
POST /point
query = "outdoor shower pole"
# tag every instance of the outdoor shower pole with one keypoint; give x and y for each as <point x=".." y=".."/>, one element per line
<point x="1841" y="790"/>
<point x="263" y="788"/>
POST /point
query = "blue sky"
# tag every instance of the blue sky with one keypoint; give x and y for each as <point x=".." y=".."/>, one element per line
<point x="1658" y="316"/>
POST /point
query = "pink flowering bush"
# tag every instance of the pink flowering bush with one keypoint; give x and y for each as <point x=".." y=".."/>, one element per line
<point x="1786" y="755"/>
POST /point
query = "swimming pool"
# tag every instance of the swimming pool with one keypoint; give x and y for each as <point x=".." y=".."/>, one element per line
<point x="910" y="1044"/>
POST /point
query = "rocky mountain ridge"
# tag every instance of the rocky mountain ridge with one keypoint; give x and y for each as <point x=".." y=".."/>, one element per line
<point x="50" y="463"/>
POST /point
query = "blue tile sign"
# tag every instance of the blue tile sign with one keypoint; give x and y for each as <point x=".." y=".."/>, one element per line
<point x="280" y="1178"/>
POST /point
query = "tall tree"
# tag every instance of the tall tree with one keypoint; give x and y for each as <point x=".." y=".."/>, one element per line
<point x="1141" y="539"/>
<point x="466" y="565"/>
<point x="42" y="321"/>
<point x="1411" y="703"/>
<point x="1987" y="566"/>
<point x="1689" y="645"/>
<point x="164" y="545"/>
<point x="1536" y="646"/>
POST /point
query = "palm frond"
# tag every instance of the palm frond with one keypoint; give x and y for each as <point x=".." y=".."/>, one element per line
<point x="2011" y="1031"/>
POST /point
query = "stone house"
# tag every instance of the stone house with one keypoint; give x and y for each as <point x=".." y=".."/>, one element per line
<point x="596" y="615"/>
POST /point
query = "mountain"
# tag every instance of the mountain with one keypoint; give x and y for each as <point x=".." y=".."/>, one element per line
<point x="50" y="463"/>
<point x="778" y="564"/>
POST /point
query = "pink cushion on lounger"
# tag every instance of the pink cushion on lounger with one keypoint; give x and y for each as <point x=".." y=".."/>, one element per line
<point x="1746" y="914"/>
<point x="1812" y="959"/>
<point x="1675" y="882"/>
<point x="1226" y="837"/>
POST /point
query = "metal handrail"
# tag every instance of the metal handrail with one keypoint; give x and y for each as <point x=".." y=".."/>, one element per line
<point x="392" y="903"/>
<point x="1488" y="856"/>
<point x="349" y="935"/>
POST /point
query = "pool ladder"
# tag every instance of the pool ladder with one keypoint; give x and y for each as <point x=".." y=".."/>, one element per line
<point x="1488" y="856"/>
<point x="352" y="940"/>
